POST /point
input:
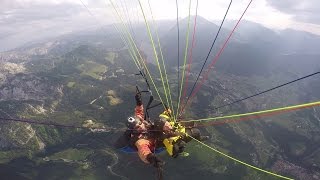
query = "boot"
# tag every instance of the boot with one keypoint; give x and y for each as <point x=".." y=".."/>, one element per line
<point x="204" y="138"/>
<point x="154" y="160"/>
<point x="178" y="148"/>
<point x="138" y="99"/>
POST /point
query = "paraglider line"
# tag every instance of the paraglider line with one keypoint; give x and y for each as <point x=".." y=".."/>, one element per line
<point x="225" y="121"/>
<point x="185" y="60"/>
<point x="190" y="55"/>
<point x="239" y="161"/>
<point x="216" y="58"/>
<point x="178" y="59"/>
<point x="268" y="90"/>
<point x="40" y="123"/>
<point x="213" y="43"/>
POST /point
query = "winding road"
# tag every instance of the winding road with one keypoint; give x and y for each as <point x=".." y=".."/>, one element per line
<point x="115" y="162"/>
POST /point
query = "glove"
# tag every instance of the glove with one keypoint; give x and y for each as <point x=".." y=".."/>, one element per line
<point x="181" y="134"/>
<point x="167" y="112"/>
<point x="154" y="160"/>
<point x="138" y="99"/>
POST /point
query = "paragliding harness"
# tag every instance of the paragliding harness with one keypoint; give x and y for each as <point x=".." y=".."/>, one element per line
<point x="130" y="148"/>
<point x="151" y="98"/>
<point x="147" y="107"/>
<point x="173" y="145"/>
<point x="147" y="117"/>
<point x="177" y="127"/>
<point x="169" y="144"/>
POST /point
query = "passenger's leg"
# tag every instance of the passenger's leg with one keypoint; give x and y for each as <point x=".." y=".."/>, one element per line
<point x="195" y="133"/>
<point x="143" y="146"/>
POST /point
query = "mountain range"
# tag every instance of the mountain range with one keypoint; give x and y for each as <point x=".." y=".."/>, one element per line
<point x="87" y="79"/>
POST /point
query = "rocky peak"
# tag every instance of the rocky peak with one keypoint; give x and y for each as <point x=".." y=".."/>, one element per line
<point x="8" y="69"/>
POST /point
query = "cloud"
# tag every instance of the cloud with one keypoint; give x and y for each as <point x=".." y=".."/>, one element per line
<point x="39" y="12"/>
<point x="24" y="21"/>
<point x="30" y="4"/>
<point x="13" y="12"/>
<point x="307" y="11"/>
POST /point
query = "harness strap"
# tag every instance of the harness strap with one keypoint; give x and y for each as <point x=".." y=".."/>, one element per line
<point x="160" y="173"/>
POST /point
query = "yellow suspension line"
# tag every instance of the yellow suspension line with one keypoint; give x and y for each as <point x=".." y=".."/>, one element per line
<point x="132" y="41"/>
<point x="317" y="103"/>
<point x="185" y="60"/>
<point x="129" y="48"/>
<point x="239" y="161"/>
<point x="88" y="10"/>
<point x="154" y="51"/>
<point x="163" y="64"/>
<point x="127" y="34"/>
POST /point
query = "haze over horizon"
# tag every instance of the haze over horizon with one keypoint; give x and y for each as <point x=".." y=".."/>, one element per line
<point x="69" y="81"/>
<point x="24" y="21"/>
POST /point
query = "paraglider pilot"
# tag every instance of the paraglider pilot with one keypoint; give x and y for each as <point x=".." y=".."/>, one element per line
<point x="146" y="137"/>
<point x="139" y="136"/>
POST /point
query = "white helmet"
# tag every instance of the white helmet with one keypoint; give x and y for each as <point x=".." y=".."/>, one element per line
<point x="131" y="122"/>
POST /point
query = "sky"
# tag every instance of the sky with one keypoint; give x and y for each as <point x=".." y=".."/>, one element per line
<point x="23" y="21"/>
